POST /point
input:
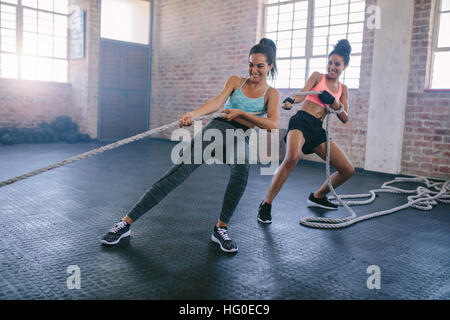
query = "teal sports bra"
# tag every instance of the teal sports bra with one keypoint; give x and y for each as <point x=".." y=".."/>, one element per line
<point x="237" y="100"/>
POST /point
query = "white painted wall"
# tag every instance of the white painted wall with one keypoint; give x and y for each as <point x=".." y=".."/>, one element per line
<point x="388" y="90"/>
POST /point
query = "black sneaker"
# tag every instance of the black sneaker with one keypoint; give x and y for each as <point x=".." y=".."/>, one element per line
<point x="220" y="236"/>
<point x="264" y="215"/>
<point x="321" y="203"/>
<point x="118" y="231"/>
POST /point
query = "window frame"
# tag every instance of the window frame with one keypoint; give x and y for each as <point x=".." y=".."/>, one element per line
<point x="20" y="35"/>
<point x="434" y="45"/>
<point x="309" y="40"/>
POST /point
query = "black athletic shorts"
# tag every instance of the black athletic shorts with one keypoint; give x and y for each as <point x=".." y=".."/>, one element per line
<point x="312" y="130"/>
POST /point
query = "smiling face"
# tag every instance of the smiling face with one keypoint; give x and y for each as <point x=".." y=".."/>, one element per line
<point x="258" y="68"/>
<point x="335" y="66"/>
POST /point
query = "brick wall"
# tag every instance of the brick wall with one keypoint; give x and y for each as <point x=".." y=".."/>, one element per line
<point x="197" y="45"/>
<point x="83" y="73"/>
<point x="26" y="103"/>
<point x="426" y="141"/>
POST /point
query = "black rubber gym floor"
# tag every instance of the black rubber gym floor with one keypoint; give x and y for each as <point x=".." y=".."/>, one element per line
<point x="56" y="219"/>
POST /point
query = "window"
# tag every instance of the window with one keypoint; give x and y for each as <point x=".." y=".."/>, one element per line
<point x="305" y="32"/>
<point x="440" y="78"/>
<point x="33" y="39"/>
<point x="134" y="18"/>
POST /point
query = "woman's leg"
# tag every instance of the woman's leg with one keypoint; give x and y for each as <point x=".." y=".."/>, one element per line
<point x="340" y="161"/>
<point x="294" y="144"/>
<point x="160" y="189"/>
<point x="235" y="190"/>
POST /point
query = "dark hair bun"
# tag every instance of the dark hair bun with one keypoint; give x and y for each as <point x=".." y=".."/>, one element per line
<point x="269" y="43"/>
<point x="343" y="46"/>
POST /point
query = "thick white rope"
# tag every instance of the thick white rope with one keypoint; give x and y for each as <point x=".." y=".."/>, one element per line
<point x="421" y="198"/>
<point x="111" y="146"/>
<point x="116" y="145"/>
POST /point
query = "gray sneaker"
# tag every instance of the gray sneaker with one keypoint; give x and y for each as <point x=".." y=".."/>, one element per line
<point x="119" y="230"/>
<point x="220" y="236"/>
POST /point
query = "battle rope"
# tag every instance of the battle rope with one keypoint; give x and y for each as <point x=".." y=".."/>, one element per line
<point x="106" y="148"/>
<point x="421" y="198"/>
<point x="116" y="145"/>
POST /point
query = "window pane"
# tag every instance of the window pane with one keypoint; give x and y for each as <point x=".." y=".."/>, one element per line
<point x="321" y="21"/>
<point x="46" y="5"/>
<point x="8" y="40"/>
<point x="441" y="76"/>
<point x="60" y="70"/>
<point x="357" y="6"/>
<point x="285" y="25"/>
<point x="299" y="33"/>
<point x="272" y="27"/>
<point x="300" y="24"/>
<point x="298" y="64"/>
<point x="340" y="18"/>
<point x="8" y="65"/>
<point x="62" y="6"/>
<point x="9" y="9"/>
<point x="29" y="68"/>
<point x="356" y="47"/>
<point x="298" y="52"/>
<point x="29" y="43"/>
<point x="286" y="8"/>
<point x="10" y="1"/>
<point x="445" y="5"/>
<point x="341" y="29"/>
<point x="444" y="27"/>
<point x="321" y="3"/>
<point x="299" y="42"/>
<point x="134" y="20"/>
<point x="317" y="64"/>
<point x="60" y="50"/>
<point x="6" y="16"/>
<point x="320" y="31"/>
<point x="285" y="35"/>
<point x="336" y="2"/>
<point x="319" y="41"/>
<point x="355" y="27"/>
<point x="45" y="45"/>
<point x="8" y="24"/>
<point x="271" y="19"/>
<point x="286" y="17"/>
<point x="283" y="53"/>
<point x="60" y="28"/>
<point x="30" y="3"/>
<point x="272" y="36"/>
<point x="272" y="10"/>
<point x="340" y="9"/>
<point x="301" y="8"/>
<point x="356" y="16"/>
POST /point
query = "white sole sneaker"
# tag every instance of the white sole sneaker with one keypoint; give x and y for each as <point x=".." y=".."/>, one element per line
<point x="313" y="204"/>
<point x="214" y="239"/>
<point x="126" y="234"/>
<point x="266" y="222"/>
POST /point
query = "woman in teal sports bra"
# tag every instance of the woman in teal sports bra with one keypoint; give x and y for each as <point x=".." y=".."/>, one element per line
<point x="240" y="97"/>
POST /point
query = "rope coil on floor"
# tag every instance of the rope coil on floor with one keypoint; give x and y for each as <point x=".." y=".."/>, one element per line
<point x="421" y="198"/>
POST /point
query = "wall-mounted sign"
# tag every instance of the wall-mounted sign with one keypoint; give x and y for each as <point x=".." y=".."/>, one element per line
<point x="77" y="34"/>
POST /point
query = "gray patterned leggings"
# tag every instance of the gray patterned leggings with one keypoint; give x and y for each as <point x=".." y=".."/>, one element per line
<point x="180" y="172"/>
